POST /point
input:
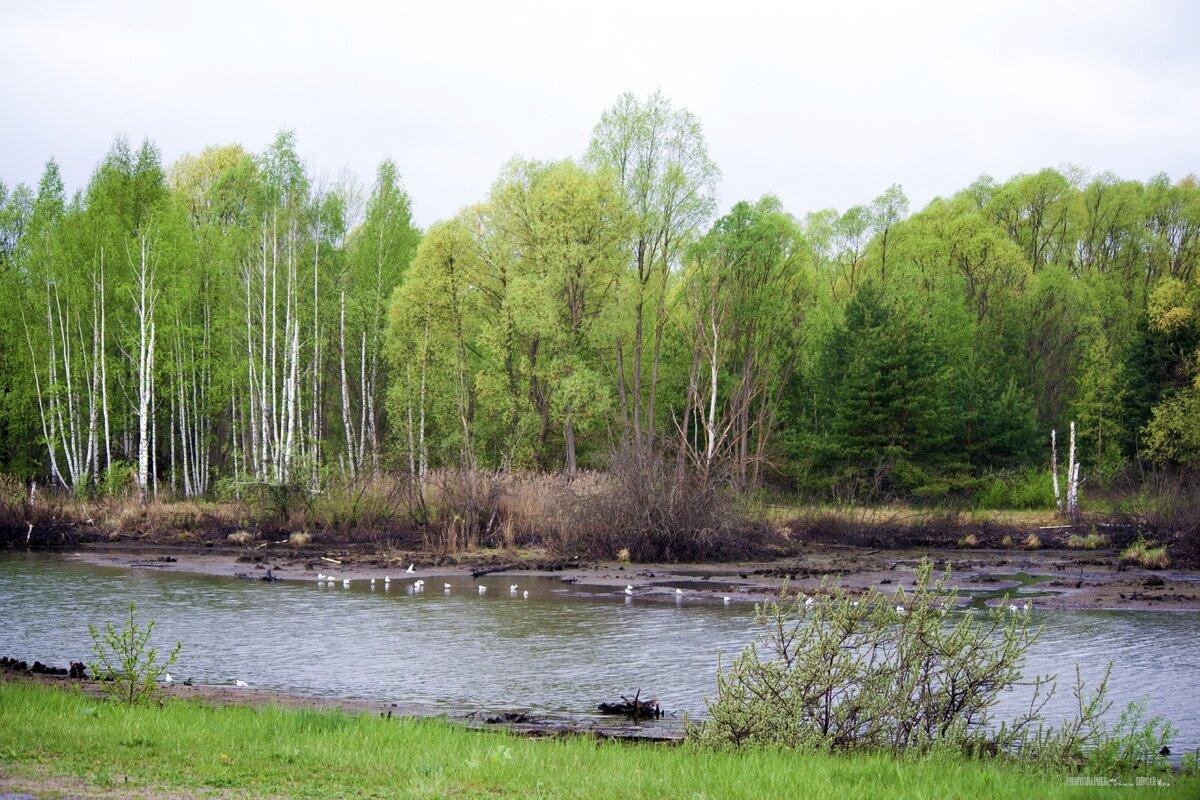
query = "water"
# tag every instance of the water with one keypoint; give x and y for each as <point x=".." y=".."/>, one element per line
<point x="554" y="652"/>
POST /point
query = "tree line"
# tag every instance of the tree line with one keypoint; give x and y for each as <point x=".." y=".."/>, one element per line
<point x="231" y="319"/>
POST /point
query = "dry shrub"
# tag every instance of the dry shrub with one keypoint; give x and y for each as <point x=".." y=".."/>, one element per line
<point x="370" y="508"/>
<point x="501" y="509"/>
<point x="969" y="541"/>
<point x="657" y="511"/>
<point x="1166" y="508"/>
<point x="1032" y="542"/>
<point x="178" y="520"/>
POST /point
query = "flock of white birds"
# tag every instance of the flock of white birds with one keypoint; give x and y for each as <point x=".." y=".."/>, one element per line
<point x="513" y="589"/>
<point x="419" y="586"/>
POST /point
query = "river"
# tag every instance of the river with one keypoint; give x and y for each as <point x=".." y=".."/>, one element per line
<point x="561" y="650"/>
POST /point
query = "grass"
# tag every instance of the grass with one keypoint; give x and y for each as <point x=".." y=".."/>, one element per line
<point x="1092" y="541"/>
<point x="1146" y="554"/>
<point x="50" y="738"/>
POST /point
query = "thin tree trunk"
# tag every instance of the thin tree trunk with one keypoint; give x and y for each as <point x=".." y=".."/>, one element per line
<point x="346" y="426"/>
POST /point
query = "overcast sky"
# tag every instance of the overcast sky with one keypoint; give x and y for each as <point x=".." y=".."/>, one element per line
<point x="824" y="104"/>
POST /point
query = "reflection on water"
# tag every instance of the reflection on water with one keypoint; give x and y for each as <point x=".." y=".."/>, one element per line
<point x="459" y="649"/>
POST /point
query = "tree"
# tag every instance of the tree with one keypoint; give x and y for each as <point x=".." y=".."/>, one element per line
<point x="747" y="290"/>
<point x="379" y="253"/>
<point x="433" y="317"/>
<point x="1033" y="210"/>
<point x="887" y="210"/>
<point x="1172" y="434"/>
<point x="1098" y="400"/>
<point x="883" y="382"/>
<point x="659" y="159"/>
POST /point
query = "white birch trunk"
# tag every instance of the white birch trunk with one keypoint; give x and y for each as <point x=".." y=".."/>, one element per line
<point x="1072" y="477"/>
<point x="1054" y="469"/>
<point x="146" y="297"/>
<point x="346" y="426"/>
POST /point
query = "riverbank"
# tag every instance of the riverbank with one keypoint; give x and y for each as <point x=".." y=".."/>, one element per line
<point x="1049" y="578"/>
<point x="66" y="743"/>
<point x="1053" y="562"/>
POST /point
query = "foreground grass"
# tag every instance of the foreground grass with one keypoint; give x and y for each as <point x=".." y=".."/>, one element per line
<point x="51" y="738"/>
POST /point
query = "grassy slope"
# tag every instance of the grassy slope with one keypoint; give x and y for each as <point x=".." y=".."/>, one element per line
<point x="50" y="738"/>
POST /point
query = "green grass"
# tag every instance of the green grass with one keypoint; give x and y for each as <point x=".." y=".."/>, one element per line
<point x="52" y="738"/>
<point x="1146" y="554"/>
<point x="1092" y="541"/>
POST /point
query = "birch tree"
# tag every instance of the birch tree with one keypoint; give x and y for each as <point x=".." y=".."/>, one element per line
<point x="748" y="290"/>
<point x="379" y="253"/>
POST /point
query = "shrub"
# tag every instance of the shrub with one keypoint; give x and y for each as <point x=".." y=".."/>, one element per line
<point x="875" y="673"/>
<point x="1029" y="488"/>
<point x="1032" y="542"/>
<point x="119" y="479"/>
<point x="660" y="511"/>
<point x="1168" y="508"/>
<point x="869" y="673"/>
<point x="126" y="666"/>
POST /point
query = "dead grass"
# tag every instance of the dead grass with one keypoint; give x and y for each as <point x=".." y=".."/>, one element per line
<point x="241" y="538"/>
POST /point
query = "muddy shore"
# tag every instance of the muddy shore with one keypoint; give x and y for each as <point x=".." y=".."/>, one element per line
<point x="1057" y="579"/>
<point x="1049" y="579"/>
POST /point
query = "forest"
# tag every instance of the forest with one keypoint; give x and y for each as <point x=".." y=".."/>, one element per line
<point x="182" y="330"/>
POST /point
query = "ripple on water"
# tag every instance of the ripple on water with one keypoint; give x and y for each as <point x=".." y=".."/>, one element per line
<point x="555" y="651"/>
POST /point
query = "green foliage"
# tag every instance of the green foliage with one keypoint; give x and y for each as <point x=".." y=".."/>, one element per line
<point x="1137" y="741"/>
<point x="127" y="667"/>
<point x="845" y="673"/>
<point x="864" y="352"/>
<point x="119" y="478"/>
<point x="883" y="374"/>
<point x="1029" y="488"/>
<point x="51" y="737"/>
<point x="1146" y="554"/>
<point x="839" y="672"/>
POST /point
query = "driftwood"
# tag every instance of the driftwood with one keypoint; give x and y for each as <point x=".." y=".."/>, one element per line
<point x="635" y="708"/>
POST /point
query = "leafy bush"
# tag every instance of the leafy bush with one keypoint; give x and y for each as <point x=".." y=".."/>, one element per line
<point x="839" y="672"/>
<point x="873" y="673"/>
<point x="127" y="667"/>
<point x="118" y="479"/>
<point x="1029" y="488"/>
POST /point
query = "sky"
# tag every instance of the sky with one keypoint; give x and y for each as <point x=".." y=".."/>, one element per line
<point x="822" y="104"/>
